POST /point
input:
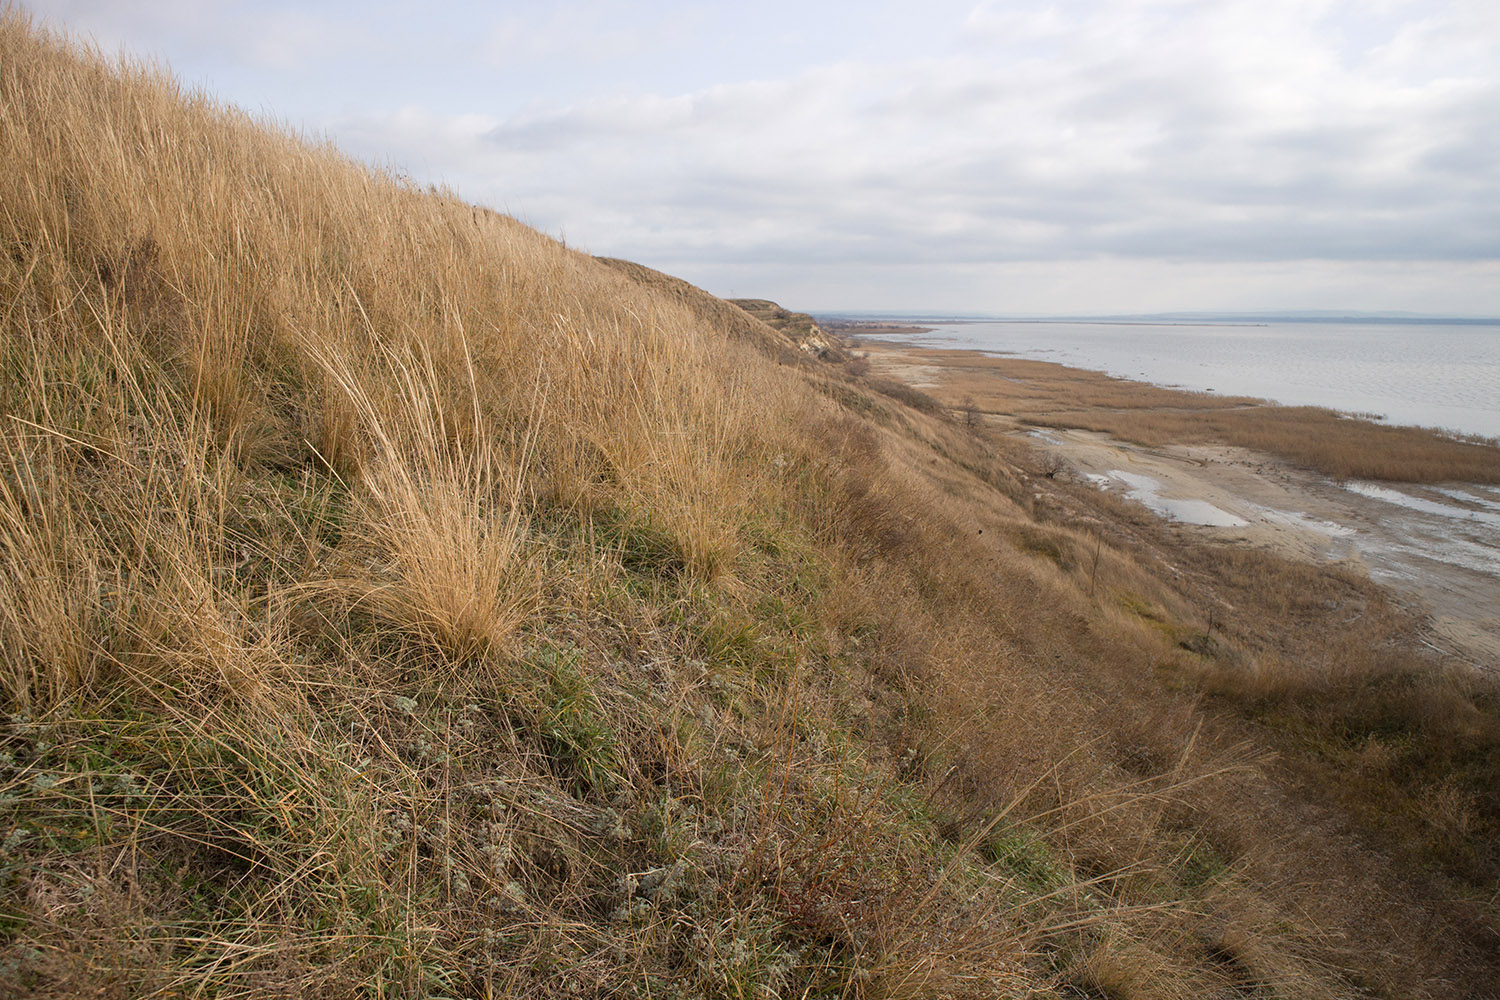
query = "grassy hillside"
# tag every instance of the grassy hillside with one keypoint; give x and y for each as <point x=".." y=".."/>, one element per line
<point x="800" y="327"/>
<point x="396" y="603"/>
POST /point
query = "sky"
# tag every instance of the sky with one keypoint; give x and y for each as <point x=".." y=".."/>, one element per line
<point x="1008" y="157"/>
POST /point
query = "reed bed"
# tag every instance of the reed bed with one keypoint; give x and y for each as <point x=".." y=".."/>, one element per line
<point x="1343" y="446"/>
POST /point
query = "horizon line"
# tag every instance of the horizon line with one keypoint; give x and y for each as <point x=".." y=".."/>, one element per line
<point x="1226" y="316"/>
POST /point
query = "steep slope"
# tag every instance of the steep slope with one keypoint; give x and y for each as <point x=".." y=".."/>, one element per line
<point x="738" y="323"/>
<point x="803" y="330"/>
<point x="394" y="602"/>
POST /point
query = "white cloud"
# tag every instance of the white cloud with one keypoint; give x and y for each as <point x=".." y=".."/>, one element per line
<point x="1195" y="142"/>
<point x="1181" y="135"/>
<point x="274" y="38"/>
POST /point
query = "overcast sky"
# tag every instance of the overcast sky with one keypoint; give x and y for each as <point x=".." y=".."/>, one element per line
<point x="1011" y="157"/>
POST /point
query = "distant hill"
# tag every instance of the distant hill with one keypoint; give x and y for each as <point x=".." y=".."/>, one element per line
<point x="800" y="327"/>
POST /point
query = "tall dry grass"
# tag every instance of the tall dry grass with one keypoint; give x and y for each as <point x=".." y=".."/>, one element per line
<point x="394" y="602"/>
<point x="291" y="445"/>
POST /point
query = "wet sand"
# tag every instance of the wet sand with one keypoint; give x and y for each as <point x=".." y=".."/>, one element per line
<point x="1437" y="544"/>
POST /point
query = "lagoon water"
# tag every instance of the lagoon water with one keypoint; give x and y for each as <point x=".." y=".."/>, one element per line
<point x="1434" y="375"/>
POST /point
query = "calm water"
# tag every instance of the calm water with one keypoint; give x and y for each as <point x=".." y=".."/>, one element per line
<point x="1432" y="375"/>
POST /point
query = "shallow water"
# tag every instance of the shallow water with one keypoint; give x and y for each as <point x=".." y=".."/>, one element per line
<point x="1297" y="519"/>
<point x="1147" y="491"/>
<point x="1427" y="374"/>
<point x="1435" y="507"/>
<point x="1432" y="531"/>
<point x="1474" y="495"/>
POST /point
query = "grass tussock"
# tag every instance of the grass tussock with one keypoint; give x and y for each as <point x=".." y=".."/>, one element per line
<point x="395" y="603"/>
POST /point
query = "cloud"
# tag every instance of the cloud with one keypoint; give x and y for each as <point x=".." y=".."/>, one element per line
<point x="273" y="37"/>
<point x="1060" y="133"/>
<point x="1191" y="142"/>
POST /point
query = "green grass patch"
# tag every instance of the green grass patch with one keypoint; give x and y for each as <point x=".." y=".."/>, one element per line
<point x="572" y="724"/>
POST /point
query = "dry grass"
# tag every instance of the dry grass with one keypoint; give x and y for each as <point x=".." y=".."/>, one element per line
<point x="390" y="597"/>
<point x="395" y="603"/>
<point x="1122" y="676"/>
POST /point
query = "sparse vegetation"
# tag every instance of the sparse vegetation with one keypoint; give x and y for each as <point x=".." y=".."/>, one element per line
<point x="396" y="603"/>
<point x="972" y="417"/>
<point x="803" y="330"/>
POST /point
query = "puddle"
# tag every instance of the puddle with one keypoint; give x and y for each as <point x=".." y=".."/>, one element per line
<point x="1463" y="553"/>
<point x="1147" y="491"/>
<point x="1471" y="495"/>
<point x="1421" y="504"/>
<point x="1420" y="535"/>
<point x="1046" y="435"/>
<point x="1305" y="522"/>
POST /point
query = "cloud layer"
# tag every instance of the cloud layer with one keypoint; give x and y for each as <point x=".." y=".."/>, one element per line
<point x="1181" y="154"/>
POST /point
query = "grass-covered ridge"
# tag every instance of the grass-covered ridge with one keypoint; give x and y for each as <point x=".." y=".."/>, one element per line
<point x="396" y="603"/>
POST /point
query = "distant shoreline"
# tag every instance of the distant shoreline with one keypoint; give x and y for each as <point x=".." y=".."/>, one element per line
<point x="919" y="321"/>
<point x="1446" y="396"/>
<point x="854" y="328"/>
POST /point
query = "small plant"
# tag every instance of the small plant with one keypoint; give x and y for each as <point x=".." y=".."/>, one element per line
<point x="573" y="726"/>
<point x="973" y="417"/>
